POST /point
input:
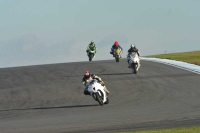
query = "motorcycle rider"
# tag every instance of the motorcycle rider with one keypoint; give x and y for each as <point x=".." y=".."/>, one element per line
<point x="91" y="46"/>
<point x="115" y="46"/>
<point x="133" y="49"/>
<point x="88" y="77"/>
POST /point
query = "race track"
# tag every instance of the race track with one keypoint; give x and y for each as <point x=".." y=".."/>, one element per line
<point x="50" y="99"/>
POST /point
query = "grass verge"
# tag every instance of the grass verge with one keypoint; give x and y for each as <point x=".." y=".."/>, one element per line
<point x="192" y="57"/>
<point x="173" y="130"/>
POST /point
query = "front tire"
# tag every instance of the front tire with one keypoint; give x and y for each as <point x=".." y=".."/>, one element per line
<point x="117" y="59"/>
<point x="135" y="68"/>
<point x="91" y="56"/>
<point x="99" y="99"/>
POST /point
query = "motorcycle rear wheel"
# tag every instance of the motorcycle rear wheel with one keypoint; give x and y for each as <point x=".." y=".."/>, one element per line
<point x="107" y="101"/>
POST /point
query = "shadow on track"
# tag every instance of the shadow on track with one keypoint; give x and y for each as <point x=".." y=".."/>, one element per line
<point x="75" y="106"/>
<point x="116" y="74"/>
<point x="102" y="74"/>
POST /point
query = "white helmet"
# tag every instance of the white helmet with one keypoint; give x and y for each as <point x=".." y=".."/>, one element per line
<point x="132" y="46"/>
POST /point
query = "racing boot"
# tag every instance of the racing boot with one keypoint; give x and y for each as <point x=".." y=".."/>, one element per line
<point x="105" y="89"/>
<point x="128" y="64"/>
<point x="138" y="66"/>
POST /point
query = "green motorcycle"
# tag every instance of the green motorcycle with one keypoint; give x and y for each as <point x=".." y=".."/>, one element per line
<point x="91" y="52"/>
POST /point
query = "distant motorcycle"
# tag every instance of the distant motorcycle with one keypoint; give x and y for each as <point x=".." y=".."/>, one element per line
<point x="134" y="62"/>
<point x="97" y="92"/>
<point x="117" y="54"/>
<point x="91" y="53"/>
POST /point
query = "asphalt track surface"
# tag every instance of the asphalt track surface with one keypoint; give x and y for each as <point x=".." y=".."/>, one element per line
<point x="50" y="99"/>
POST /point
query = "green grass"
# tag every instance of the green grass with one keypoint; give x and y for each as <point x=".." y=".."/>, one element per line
<point x="173" y="130"/>
<point x="190" y="57"/>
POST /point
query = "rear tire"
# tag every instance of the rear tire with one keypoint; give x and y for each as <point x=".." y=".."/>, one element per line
<point x="107" y="101"/>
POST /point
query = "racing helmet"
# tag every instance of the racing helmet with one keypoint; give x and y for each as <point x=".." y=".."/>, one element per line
<point x="132" y="46"/>
<point x="87" y="74"/>
<point x="92" y="44"/>
<point x="116" y="43"/>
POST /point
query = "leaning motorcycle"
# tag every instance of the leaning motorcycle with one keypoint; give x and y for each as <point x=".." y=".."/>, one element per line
<point x="97" y="92"/>
<point x="134" y="62"/>
<point x="91" y="53"/>
<point x="117" y="54"/>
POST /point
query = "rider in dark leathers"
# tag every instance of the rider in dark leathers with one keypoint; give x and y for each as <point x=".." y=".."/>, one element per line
<point x="115" y="46"/>
<point x="132" y="49"/>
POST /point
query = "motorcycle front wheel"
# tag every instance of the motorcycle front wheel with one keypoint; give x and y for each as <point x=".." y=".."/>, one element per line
<point x="117" y="58"/>
<point x="99" y="99"/>
<point x="135" y="68"/>
<point x="91" y="56"/>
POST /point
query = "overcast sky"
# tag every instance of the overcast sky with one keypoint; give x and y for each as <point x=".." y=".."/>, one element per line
<point x="57" y="31"/>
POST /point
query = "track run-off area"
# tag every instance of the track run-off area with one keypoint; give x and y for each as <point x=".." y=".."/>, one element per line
<point x="50" y="99"/>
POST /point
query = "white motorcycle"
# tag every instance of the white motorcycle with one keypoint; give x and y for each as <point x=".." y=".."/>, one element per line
<point x="97" y="92"/>
<point x="134" y="62"/>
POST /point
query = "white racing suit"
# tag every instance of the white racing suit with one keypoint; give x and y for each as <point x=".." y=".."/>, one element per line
<point x="85" y="83"/>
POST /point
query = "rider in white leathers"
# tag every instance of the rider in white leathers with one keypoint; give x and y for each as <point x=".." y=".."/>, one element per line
<point x="88" y="77"/>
